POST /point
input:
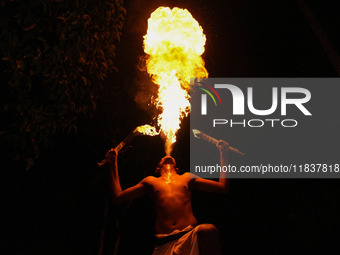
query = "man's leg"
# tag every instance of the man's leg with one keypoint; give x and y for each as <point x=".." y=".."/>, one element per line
<point x="208" y="240"/>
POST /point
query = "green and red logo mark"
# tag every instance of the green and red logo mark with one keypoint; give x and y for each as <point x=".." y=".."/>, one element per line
<point x="206" y="88"/>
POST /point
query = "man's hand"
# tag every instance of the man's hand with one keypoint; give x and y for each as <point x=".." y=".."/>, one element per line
<point x="222" y="145"/>
<point x="111" y="155"/>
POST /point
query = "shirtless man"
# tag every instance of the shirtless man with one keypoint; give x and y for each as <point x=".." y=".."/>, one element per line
<point x="171" y="194"/>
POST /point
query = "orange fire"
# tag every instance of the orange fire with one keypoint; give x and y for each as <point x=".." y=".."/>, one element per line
<point x="174" y="43"/>
<point x="147" y="130"/>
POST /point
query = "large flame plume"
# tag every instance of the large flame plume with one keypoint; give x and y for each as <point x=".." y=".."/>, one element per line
<point x="174" y="43"/>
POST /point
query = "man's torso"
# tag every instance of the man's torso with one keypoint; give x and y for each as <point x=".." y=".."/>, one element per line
<point x="172" y="198"/>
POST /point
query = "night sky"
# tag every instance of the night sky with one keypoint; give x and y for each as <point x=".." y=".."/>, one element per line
<point x="62" y="205"/>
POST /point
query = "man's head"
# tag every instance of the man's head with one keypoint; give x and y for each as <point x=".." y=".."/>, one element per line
<point x="167" y="160"/>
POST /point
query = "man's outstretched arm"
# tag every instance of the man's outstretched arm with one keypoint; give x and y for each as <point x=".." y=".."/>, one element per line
<point x="222" y="185"/>
<point x="118" y="194"/>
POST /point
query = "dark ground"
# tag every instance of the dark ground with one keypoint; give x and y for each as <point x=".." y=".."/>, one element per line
<point x="58" y="207"/>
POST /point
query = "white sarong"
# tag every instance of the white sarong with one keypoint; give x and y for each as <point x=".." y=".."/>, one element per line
<point x="178" y="242"/>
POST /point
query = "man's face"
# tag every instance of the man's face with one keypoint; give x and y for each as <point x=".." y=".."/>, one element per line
<point x="167" y="160"/>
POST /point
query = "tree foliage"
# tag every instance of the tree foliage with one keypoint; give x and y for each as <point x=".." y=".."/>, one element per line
<point x="55" y="54"/>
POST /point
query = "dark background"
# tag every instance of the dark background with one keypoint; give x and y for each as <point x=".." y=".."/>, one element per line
<point x="61" y="206"/>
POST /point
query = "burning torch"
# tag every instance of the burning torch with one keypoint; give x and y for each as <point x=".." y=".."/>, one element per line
<point x="141" y="130"/>
<point x="201" y="135"/>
